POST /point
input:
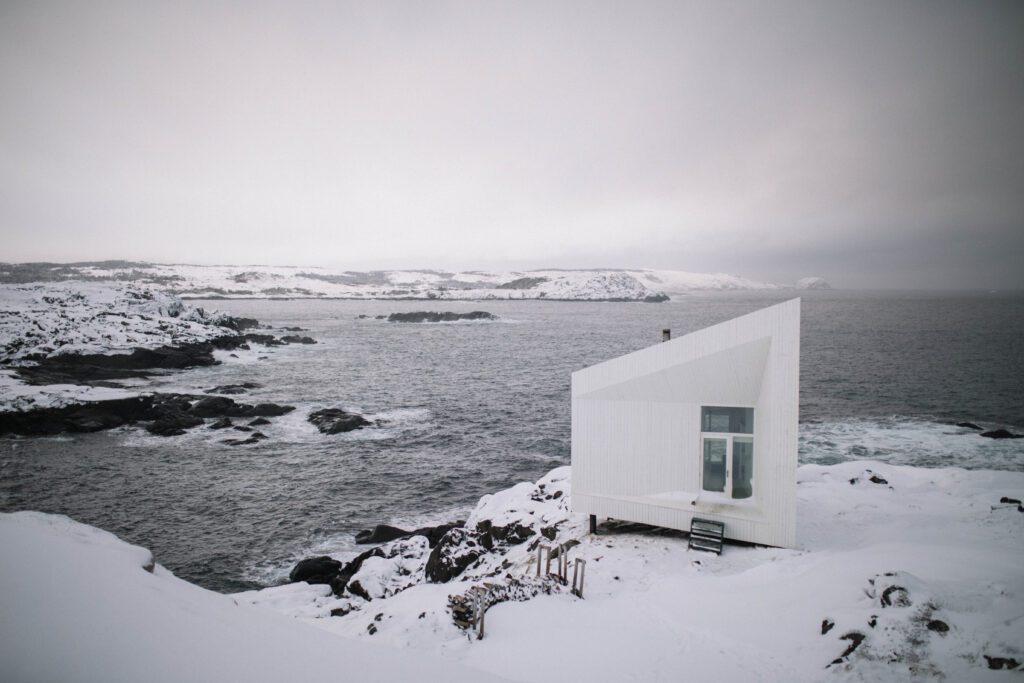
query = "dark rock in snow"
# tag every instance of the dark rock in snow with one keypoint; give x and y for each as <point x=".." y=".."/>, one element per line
<point x="242" y="428"/>
<point x="458" y="549"/>
<point x="382" y="533"/>
<point x="998" y="663"/>
<point x="1011" y="501"/>
<point x="895" y="596"/>
<point x="968" y="425"/>
<point x="336" y="421"/>
<point x="875" y="479"/>
<point x="259" y="422"/>
<point x="1002" y="434"/>
<point x="315" y="570"/>
<point x="295" y="339"/>
<point x="826" y="626"/>
<point x="433" y="317"/>
<point x="938" y="626"/>
<point x="222" y="423"/>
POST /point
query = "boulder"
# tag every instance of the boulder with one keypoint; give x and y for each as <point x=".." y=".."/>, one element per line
<point x="295" y="339"/>
<point x="336" y="421"/>
<point x="968" y="425"/>
<point x="382" y="533"/>
<point x="315" y="570"/>
<point x="212" y="406"/>
<point x="1002" y="434"/>
<point x="457" y="549"/>
<point x="233" y="389"/>
<point x="259" y="422"/>
<point x="222" y="423"/>
<point x="173" y="423"/>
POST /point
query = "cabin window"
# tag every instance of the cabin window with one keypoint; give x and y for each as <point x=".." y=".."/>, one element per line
<point x="727" y="446"/>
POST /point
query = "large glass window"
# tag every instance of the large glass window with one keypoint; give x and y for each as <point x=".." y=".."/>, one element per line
<point x="727" y="445"/>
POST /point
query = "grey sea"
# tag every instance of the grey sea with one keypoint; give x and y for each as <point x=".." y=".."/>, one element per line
<point x="464" y="409"/>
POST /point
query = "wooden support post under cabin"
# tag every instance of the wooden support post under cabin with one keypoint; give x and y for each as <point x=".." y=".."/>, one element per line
<point x="666" y="335"/>
<point x="593" y="524"/>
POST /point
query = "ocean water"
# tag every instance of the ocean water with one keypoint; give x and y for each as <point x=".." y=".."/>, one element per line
<point x="469" y="408"/>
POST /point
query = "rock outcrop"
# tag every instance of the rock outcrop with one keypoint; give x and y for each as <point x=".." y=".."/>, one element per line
<point x="337" y="421"/>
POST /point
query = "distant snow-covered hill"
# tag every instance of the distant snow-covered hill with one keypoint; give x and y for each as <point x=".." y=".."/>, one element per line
<point x="303" y="282"/>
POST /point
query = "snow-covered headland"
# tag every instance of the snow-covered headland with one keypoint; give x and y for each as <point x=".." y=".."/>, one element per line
<point x="69" y="346"/>
<point x="190" y="281"/>
<point x="900" y="573"/>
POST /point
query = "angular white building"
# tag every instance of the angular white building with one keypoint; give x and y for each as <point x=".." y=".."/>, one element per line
<point x="703" y="426"/>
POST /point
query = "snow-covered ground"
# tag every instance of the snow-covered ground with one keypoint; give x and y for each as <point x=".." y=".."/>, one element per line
<point x="923" y="567"/>
<point x="78" y="604"/>
<point x="305" y="282"/>
<point x="76" y="317"/>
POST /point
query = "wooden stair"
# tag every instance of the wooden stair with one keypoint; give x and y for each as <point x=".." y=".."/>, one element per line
<point x="707" y="535"/>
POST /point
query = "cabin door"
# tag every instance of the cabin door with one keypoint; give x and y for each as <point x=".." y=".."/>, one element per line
<point x="727" y="465"/>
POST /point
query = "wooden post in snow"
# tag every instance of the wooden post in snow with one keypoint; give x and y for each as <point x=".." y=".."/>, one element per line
<point x="666" y="334"/>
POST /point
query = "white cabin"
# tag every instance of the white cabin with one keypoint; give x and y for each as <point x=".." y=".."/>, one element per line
<point x="704" y="425"/>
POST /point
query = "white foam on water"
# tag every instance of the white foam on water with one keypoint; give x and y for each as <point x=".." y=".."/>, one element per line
<point x="908" y="441"/>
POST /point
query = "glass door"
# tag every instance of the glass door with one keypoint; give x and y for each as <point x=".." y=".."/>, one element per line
<point x="728" y="465"/>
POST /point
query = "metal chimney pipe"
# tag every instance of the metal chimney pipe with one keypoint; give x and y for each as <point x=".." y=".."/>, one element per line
<point x="666" y="335"/>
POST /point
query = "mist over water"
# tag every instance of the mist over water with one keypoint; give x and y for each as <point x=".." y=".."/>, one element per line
<point x="465" y="409"/>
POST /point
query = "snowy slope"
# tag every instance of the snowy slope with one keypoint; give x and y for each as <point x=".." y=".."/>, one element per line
<point x="284" y="282"/>
<point x="936" y="543"/>
<point x="78" y="605"/>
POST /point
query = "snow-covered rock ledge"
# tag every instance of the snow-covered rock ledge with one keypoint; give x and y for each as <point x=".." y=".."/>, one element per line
<point x="67" y="345"/>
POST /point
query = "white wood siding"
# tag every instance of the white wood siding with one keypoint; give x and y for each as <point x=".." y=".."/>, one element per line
<point x="636" y="450"/>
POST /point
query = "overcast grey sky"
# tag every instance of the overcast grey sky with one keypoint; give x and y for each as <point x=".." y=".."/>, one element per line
<point x="874" y="144"/>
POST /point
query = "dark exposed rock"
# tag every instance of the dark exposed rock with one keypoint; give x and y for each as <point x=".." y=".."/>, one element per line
<point x="255" y="437"/>
<point x="222" y="423"/>
<point x="221" y="406"/>
<point x="875" y="479"/>
<point x="1002" y="434"/>
<point x="242" y="428"/>
<point x="998" y="663"/>
<point x="212" y="406"/>
<point x="173" y="423"/>
<point x="938" y="626"/>
<point x="457" y="549"/>
<point x="434" y="317"/>
<point x="259" y="422"/>
<point x="294" y="329"/>
<point x="89" y="368"/>
<point x="233" y="389"/>
<point x="295" y="339"/>
<point x="434" y="534"/>
<point x="356" y="588"/>
<point x="382" y="533"/>
<point x="968" y="425"/>
<point x="240" y="324"/>
<point x="826" y="626"/>
<point x="855" y="639"/>
<point x="316" y="570"/>
<point x="336" y="421"/>
<point x="895" y="596"/>
<point x="1011" y="501"/>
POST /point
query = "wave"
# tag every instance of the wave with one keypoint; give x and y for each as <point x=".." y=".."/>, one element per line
<point x="900" y="440"/>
